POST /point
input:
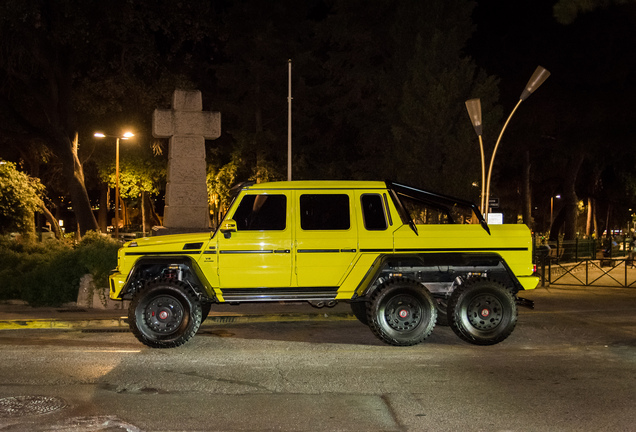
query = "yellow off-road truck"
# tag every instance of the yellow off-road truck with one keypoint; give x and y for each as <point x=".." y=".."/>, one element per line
<point x="403" y="258"/>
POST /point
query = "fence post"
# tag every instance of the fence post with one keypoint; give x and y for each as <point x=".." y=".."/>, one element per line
<point x="543" y="259"/>
<point x="576" y="250"/>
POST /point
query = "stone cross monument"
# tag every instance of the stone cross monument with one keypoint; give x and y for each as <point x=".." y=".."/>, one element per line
<point x="187" y="126"/>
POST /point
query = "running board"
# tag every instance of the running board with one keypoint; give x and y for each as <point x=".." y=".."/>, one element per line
<point x="272" y="294"/>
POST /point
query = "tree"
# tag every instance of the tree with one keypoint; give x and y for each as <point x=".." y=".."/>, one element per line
<point x="20" y="198"/>
<point x="391" y="102"/>
<point x="259" y="38"/>
<point x="435" y="141"/>
<point x="566" y="11"/>
<point x="141" y="175"/>
<point x="603" y="135"/>
<point x="37" y="66"/>
<point x="66" y="64"/>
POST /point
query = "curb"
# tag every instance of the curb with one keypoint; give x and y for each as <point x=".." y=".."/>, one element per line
<point x="122" y="322"/>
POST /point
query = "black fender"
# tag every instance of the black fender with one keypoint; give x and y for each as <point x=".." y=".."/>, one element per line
<point x="437" y="267"/>
<point x="149" y="268"/>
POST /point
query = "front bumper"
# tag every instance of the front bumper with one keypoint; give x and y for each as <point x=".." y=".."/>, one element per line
<point x="116" y="282"/>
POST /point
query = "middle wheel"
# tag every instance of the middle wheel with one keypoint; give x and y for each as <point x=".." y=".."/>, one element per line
<point x="402" y="313"/>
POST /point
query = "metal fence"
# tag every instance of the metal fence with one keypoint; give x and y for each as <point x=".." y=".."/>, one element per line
<point x="586" y="262"/>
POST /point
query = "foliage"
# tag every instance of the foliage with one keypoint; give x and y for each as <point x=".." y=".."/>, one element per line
<point x="432" y="139"/>
<point x="98" y="255"/>
<point x="68" y="65"/>
<point x="49" y="273"/>
<point x="139" y="171"/>
<point x="41" y="51"/>
<point x="20" y="197"/>
<point x="379" y="90"/>
<point x="566" y="11"/>
<point x="219" y="183"/>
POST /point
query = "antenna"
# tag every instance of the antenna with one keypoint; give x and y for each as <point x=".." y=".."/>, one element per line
<point x="289" y="127"/>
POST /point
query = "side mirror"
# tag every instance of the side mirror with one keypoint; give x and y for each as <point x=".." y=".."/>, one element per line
<point x="228" y="226"/>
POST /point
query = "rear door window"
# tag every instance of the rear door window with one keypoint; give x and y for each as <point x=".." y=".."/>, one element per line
<point x="324" y="212"/>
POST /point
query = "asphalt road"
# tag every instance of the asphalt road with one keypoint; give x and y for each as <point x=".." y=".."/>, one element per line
<point x="569" y="365"/>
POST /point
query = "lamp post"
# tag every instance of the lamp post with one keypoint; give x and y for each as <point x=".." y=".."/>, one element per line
<point x="474" y="111"/>
<point x="125" y="136"/>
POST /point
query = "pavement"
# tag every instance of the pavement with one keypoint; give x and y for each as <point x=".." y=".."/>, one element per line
<point x="19" y="315"/>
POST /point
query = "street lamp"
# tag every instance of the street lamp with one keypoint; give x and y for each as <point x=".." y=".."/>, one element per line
<point x="125" y="136"/>
<point x="474" y="111"/>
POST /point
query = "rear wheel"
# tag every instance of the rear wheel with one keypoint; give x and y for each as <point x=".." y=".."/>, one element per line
<point x="482" y="312"/>
<point x="165" y="314"/>
<point x="402" y="313"/>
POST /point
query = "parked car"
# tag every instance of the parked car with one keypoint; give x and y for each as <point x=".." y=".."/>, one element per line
<point x="403" y="258"/>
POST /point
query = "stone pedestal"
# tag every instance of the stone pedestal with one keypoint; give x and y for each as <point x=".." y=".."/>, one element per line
<point x="188" y="127"/>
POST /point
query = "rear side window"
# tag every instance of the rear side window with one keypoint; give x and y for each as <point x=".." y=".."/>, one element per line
<point x="261" y="213"/>
<point x="373" y="212"/>
<point x="423" y="213"/>
<point x="324" y="212"/>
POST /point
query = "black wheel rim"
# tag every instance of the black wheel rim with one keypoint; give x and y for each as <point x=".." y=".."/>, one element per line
<point x="164" y="314"/>
<point x="403" y="312"/>
<point x="485" y="312"/>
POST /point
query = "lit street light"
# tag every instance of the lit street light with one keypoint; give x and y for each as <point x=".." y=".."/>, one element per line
<point x="125" y="136"/>
<point x="474" y="111"/>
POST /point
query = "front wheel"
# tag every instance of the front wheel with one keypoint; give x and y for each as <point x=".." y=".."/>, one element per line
<point x="402" y="313"/>
<point x="482" y="312"/>
<point x="164" y="314"/>
<point x="359" y="309"/>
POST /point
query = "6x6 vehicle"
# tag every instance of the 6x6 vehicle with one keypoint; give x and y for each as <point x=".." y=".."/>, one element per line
<point x="403" y="258"/>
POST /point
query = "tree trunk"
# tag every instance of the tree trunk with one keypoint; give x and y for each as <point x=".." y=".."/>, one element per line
<point x="154" y="217"/>
<point x="566" y="218"/>
<point x="49" y="217"/>
<point x="102" y="216"/>
<point x="74" y="175"/>
<point x="143" y="212"/>
<point x="590" y="212"/>
<point x="595" y="218"/>
<point x="570" y="198"/>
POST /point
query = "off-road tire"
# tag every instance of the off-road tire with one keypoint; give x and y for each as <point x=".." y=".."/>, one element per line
<point x="359" y="309"/>
<point x="482" y="311"/>
<point x="164" y="314"/>
<point x="205" y="310"/>
<point x="402" y="312"/>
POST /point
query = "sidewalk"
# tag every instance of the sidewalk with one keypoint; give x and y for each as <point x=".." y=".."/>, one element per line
<point x="18" y="315"/>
